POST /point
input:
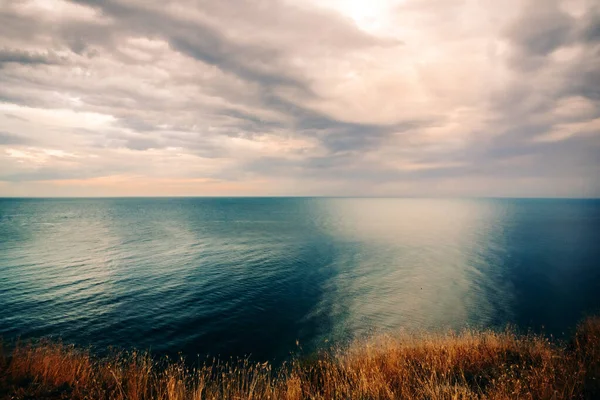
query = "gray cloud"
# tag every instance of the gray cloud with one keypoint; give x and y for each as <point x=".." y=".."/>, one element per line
<point x="542" y="28"/>
<point x="8" y="138"/>
<point x="10" y="116"/>
<point x="24" y="57"/>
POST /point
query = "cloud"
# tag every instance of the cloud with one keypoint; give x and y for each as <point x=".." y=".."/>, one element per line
<point x="542" y="28"/>
<point x="8" y="138"/>
<point x="332" y="97"/>
<point x="23" y="57"/>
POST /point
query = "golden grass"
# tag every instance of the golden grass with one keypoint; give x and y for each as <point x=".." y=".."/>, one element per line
<point x="470" y="365"/>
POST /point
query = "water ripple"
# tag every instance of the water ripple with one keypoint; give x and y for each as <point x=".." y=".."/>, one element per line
<point x="252" y="276"/>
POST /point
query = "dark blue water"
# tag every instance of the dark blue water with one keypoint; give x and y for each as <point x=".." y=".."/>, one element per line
<point x="252" y="276"/>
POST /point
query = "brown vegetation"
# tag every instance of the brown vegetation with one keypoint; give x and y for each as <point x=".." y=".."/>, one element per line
<point x="454" y="366"/>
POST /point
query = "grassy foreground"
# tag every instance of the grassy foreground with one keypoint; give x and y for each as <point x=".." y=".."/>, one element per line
<point x="454" y="366"/>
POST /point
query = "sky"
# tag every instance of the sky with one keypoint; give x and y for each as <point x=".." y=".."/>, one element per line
<point x="300" y="97"/>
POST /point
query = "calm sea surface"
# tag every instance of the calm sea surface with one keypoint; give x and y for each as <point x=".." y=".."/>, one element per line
<point x="238" y="276"/>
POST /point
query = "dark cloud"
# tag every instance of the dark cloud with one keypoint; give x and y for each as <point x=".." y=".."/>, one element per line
<point x="588" y="29"/>
<point x="24" y="57"/>
<point x="142" y="144"/>
<point x="542" y="28"/>
<point x="544" y="83"/>
<point x="254" y="61"/>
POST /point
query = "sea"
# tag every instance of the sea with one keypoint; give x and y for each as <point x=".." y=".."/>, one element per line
<point x="274" y="278"/>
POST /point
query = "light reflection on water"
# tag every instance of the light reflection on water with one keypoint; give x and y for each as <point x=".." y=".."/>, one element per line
<point x="416" y="263"/>
<point x="250" y="276"/>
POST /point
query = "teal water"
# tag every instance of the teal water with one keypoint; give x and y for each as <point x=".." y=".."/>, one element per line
<point x="251" y="276"/>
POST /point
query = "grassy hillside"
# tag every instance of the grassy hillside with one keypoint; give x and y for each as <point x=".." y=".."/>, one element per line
<point x="454" y="366"/>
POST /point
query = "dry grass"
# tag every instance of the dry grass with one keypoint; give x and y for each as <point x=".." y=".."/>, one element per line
<point x="455" y="366"/>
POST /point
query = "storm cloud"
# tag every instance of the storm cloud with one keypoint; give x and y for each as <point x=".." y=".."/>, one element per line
<point x="281" y="97"/>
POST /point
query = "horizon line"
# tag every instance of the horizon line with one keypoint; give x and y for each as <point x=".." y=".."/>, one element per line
<point x="304" y="197"/>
